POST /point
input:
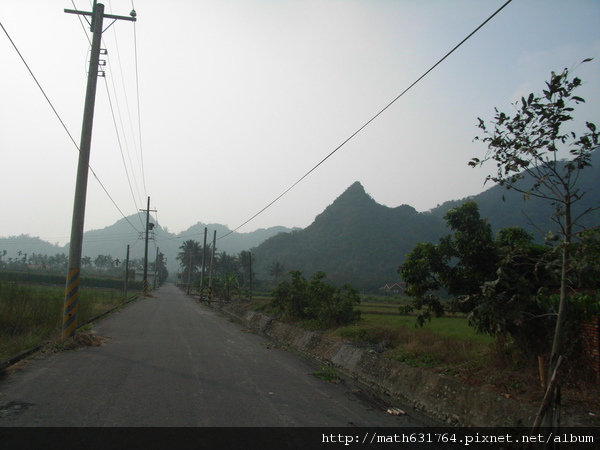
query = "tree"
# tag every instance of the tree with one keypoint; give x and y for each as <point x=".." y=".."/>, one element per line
<point x="244" y="260"/>
<point x="275" y="270"/>
<point x="459" y="264"/>
<point x="315" y="300"/>
<point x="225" y="264"/>
<point x="512" y="303"/>
<point x="190" y="257"/>
<point x="497" y="282"/>
<point x="531" y="143"/>
<point x="228" y="282"/>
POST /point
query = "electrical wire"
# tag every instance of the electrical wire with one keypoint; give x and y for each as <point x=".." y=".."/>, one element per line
<point x="61" y="121"/>
<point x="120" y="146"/>
<point x="133" y="133"/>
<point x="372" y="119"/>
<point x="137" y="88"/>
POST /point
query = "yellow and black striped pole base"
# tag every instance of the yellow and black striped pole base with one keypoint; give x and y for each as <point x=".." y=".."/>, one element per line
<point x="70" y="307"/>
<point x="201" y="293"/>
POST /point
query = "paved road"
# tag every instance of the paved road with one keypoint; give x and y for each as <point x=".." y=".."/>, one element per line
<point x="171" y="362"/>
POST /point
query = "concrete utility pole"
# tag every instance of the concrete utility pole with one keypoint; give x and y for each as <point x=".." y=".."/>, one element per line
<point x="210" y="273"/>
<point x="72" y="283"/>
<point x="250" y="266"/>
<point x="156" y="268"/>
<point x="126" y="273"/>
<point x="203" y="266"/>
<point x="149" y="226"/>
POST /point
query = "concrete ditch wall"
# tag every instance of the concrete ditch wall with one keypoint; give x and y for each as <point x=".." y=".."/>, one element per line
<point x="436" y="396"/>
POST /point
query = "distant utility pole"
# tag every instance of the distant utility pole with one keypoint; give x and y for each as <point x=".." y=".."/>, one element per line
<point x="156" y="268"/>
<point x="250" y="266"/>
<point x="126" y="273"/>
<point x="203" y="266"/>
<point x="210" y="273"/>
<point x="149" y="226"/>
<point x="72" y="284"/>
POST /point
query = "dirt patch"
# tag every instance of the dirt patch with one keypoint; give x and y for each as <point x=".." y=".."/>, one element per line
<point x="80" y="340"/>
<point x="580" y="397"/>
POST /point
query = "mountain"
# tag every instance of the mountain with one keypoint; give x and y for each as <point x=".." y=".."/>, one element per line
<point x="354" y="240"/>
<point x="358" y="241"/>
<point x="113" y="240"/>
<point x="508" y="208"/>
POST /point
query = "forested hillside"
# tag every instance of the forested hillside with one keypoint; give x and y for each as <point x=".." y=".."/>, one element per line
<point x="355" y="240"/>
<point x="358" y="241"/>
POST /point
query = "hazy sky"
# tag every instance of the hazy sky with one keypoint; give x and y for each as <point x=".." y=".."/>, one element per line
<point x="239" y="99"/>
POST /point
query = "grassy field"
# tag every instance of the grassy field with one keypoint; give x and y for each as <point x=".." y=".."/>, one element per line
<point x="30" y="315"/>
<point x="444" y="342"/>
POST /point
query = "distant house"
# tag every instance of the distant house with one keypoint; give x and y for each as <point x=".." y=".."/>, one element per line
<point x="394" y="288"/>
<point x="139" y="275"/>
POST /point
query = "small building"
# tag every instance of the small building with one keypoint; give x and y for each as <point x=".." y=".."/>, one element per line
<point x="394" y="288"/>
<point x="139" y="276"/>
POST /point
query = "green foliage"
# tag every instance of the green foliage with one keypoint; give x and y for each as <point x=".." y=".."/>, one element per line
<point x="529" y="143"/>
<point x="585" y="259"/>
<point x="459" y="264"/>
<point x="315" y="300"/>
<point x="327" y="374"/>
<point x="513" y="281"/>
<point x="511" y="303"/>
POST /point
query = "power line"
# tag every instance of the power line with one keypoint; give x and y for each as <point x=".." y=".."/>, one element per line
<point x="39" y="86"/>
<point x="119" y="142"/>
<point x="128" y="115"/>
<point x="372" y="119"/>
<point x="137" y="88"/>
<point x="60" y="120"/>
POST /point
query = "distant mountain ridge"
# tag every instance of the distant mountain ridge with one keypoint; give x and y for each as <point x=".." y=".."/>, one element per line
<point x="358" y="241"/>
<point x="113" y="240"/>
<point x="354" y="240"/>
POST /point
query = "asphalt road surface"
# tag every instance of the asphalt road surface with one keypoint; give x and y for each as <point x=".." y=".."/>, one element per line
<point x="170" y="362"/>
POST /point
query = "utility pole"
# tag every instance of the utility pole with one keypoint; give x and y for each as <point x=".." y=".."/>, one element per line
<point x="210" y="273"/>
<point x="76" y="244"/>
<point x="189" y="283"/>
<point x="250" y="265"/>
<point x="149" y="226"/>
<point x="203" y="266"/>
<point x="126" y="273"/>
<point x="156" y="268"/>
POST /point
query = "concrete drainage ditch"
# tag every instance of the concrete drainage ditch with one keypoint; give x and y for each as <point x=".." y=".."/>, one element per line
<point x="438" y="397"/>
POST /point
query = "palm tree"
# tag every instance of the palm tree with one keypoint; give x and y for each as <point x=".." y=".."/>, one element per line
<point x="244" y="259"/>
<point x="276" y="269"/>
<point x="190" y="258"/>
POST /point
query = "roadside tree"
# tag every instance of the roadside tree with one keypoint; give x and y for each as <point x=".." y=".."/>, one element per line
<point x="530" y="145"/>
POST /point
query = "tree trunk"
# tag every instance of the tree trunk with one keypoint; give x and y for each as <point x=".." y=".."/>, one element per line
<point x="557" y="343"/>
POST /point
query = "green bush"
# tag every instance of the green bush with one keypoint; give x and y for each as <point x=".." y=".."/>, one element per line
<point x="315" y="300"/>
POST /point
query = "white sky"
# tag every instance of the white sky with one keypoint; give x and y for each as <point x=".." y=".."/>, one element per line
<point x="239" y="99"/>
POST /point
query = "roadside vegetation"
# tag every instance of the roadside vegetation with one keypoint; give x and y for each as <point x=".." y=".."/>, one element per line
<point x="449" y="346"/>
<point x="31" y="315"/>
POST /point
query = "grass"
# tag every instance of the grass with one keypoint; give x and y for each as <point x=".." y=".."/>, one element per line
<point x="327" y="374"/>
<point x="441" y="343"/>
<point x="30" y="315"/>
<point x="448" y="345"/>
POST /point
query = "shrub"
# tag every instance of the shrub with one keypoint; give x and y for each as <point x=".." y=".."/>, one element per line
<point x="315" y="300"/>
